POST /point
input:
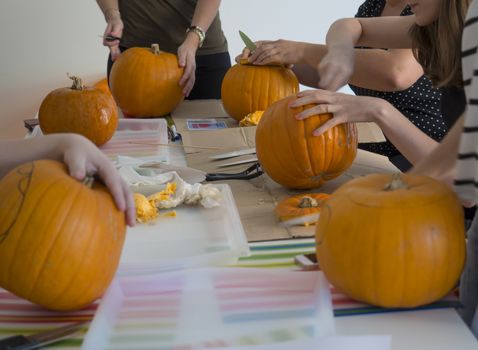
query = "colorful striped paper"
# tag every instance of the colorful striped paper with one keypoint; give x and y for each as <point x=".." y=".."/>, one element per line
<point x="19" y="316"/>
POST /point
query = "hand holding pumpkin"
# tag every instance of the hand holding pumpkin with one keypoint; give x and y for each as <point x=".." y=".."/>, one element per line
<point x="187" y="60"/>
<point x="80" y="156"/>
<point x="83" y="158"/>
<point x="345" y="108"/>
<point x="281" y="52"/>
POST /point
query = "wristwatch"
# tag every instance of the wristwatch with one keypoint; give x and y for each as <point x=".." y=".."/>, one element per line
<point x="199" y="32"/>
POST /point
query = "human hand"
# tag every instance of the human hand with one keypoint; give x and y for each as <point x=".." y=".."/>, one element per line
<point x="280" y="52"/>
<point x="83" y="158"/>
<point x="187" y="60"/>
<point x="336" y="68"/>
<point x="243" y="56"/>
<point x="344" y="107"/>
<point x="114" y="27"/>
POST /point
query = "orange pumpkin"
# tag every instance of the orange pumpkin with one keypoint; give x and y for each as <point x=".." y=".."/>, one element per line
<point x="301" y="209"/>
<point x="397" y="243"/>
<point x="294" y="158"/>
<point x="60" y="240"/>
<point x="247" y="88"/>
<point x="145" y="82"/>
<point x="88" y="111"/>
<point x="103" y="85"/>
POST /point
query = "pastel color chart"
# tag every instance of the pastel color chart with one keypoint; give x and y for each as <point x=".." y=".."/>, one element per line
<point x="212" y="307"/>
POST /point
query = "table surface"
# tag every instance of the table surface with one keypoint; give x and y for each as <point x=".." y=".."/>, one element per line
<point x="439" y="329"/>
<point x="425" y="329"/>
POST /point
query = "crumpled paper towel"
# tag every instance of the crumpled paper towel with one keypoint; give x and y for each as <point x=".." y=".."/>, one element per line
<point x="148" y="181"/>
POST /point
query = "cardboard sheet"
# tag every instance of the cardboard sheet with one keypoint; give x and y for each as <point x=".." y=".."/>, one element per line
<point x="256" y="199"/>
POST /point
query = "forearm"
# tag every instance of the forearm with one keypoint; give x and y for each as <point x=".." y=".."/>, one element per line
<point x="48" y="147"/>
<point x="385" y="70"/>
<point x="343" y="35"/>
<point x="375" y="69"/>
<point x="204" y="13"/>
<point x="108" y="7"/>
<point x="409" y="140"/>
<point x="440" y="163"/>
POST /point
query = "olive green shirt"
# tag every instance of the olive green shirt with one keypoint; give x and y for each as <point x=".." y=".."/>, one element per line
<point x="165" y="22"/>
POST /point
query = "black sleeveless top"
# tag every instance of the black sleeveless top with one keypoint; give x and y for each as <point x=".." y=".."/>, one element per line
<point x="420" y="103"/>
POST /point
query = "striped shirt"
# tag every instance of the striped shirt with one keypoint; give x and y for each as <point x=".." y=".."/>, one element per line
<point x="466" y="181"/>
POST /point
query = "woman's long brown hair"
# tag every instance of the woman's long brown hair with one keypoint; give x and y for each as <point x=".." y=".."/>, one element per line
<point x="437" y="46"/>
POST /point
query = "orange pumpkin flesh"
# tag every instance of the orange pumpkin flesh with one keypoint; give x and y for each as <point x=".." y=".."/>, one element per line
<point x="145" y="82"/>
<point x="247" y="88"/>
<point x="88" y="111"/>
<point x="60" y="241"/>
<point x="292" y="156"/>
<point x="402" y="247"/>
<point x="302" y="208"/>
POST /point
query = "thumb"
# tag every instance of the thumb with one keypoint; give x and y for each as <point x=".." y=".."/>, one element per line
<point x="76" y="166"/>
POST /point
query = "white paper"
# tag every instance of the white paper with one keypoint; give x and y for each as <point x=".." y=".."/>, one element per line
<point x="379" y="342"/>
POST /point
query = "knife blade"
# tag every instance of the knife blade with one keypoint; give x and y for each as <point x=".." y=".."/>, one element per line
<point x="37" y="340"/>
<point x="233" y="154"/>
<point x="247" y="41"/>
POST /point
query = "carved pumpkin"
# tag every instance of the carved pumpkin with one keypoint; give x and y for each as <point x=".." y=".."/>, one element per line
<point x="88" y="111"/>
<point x="292" y="156"/>
<point x="145" y="82"/>
<point x="397" y="243"/>
<point x="247" y="88"/>
<point x="301" y="209"/>
<point x="60" y="240"/>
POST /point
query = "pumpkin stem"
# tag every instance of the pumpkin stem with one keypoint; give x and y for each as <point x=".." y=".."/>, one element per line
<point x="308" y="202"/>
<point x="77" y="82"/>
<point x="88" y="181"/>
<point x="396" y="184"/>
<point x="155" y="49"/>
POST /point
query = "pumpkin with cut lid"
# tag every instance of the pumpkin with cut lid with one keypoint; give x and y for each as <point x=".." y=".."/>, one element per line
<point x="247" y="88"/>
<point x="145" y="82"/>
<point x="301" y="209"/>
<point x="392" y="241"/>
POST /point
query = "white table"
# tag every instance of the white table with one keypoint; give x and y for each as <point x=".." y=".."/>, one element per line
<point x="440" y="329"/>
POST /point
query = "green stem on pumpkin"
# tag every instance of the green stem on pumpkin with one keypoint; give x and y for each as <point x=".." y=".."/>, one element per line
<point x="396" y="184"/>
<point x="308" y="202"/>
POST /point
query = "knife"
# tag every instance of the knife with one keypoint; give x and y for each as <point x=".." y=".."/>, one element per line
<point x="233" y="154"/>
<point x="35" y="341"/>
<point x="199" y="176"/>
<point x="248" y="42"/>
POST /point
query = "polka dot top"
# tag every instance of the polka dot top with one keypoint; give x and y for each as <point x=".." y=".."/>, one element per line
<point x="420" y="103"/>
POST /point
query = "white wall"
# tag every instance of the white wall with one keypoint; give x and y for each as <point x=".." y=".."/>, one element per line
<point x="42" y="41"/>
